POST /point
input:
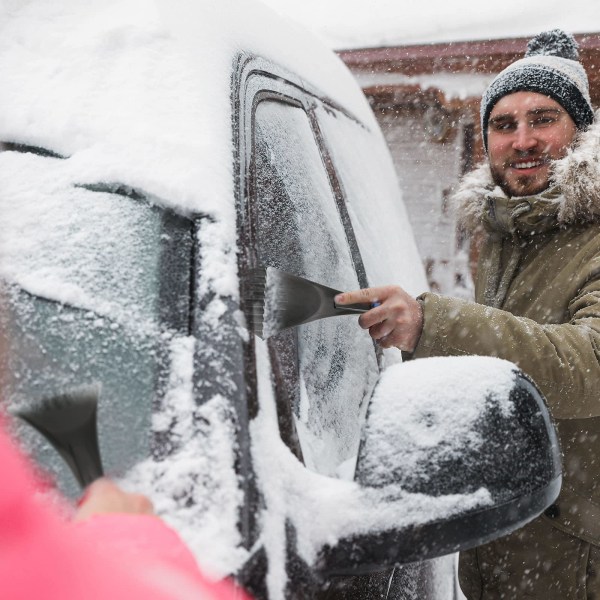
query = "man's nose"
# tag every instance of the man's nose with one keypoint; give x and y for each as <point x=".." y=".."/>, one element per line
<point x="524" y="138"/>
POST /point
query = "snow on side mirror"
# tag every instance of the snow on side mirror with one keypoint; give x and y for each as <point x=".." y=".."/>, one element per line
<point x="463" y="447"/>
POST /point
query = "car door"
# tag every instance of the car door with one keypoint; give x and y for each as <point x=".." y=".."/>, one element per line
<point x="294" y="216"/>
<point x="327" y="368"/>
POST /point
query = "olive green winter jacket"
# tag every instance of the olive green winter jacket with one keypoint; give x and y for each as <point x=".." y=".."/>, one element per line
<point x="537" y="293"/>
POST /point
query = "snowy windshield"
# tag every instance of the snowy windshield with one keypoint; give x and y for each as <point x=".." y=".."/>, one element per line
<point x="96" y="280"/>
<point x="80" y="243"/>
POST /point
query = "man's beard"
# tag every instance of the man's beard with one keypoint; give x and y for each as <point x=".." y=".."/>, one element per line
<point x="524" y="185"/>
<point x="521" y="185"/>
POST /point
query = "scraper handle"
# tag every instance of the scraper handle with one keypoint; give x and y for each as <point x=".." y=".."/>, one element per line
<point x="352" y="309"/>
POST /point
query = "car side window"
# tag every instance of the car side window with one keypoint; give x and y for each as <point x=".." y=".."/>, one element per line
<point x="367" y="176"/>
<point x="297" y="228"/>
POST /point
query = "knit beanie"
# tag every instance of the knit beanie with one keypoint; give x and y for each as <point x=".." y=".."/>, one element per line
<point x="551" y="67"/>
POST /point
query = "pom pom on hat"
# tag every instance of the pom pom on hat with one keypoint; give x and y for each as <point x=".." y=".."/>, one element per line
<point x="553" y="43"/>
<point x="551" y="67"/>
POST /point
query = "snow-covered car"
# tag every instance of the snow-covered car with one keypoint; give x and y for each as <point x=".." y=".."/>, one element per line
<point x="153" y="153"/>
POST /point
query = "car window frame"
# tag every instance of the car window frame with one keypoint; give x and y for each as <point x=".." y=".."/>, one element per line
<point x="257" y="80"/>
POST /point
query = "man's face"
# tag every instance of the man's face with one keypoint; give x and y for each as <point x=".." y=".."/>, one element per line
<point x="526" y="132"/>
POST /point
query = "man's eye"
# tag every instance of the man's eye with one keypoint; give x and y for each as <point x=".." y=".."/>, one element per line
<point x="503" y="126"/>
<point x="543" y="121"/>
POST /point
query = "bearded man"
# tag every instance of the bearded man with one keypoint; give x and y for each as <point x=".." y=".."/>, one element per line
<point x="537" y="292"/>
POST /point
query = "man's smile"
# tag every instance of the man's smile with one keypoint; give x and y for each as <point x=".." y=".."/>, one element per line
<point x="528" y="164"/>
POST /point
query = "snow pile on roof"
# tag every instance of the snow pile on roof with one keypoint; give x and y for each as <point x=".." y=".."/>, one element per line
<point x="104" y="84"/>
<point x="453" y="85"/>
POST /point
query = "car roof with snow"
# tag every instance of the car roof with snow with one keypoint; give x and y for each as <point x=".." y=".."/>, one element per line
<point x="122" y="86"/>
<point x="138" y="96"/>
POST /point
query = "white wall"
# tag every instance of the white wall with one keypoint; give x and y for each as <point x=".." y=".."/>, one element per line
<point x="427" y="170"/>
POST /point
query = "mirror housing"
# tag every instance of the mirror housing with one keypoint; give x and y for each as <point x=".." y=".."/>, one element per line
<point x="439" y="429"/>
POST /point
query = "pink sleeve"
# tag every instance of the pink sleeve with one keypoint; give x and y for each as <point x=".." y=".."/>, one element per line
<point x="118" y="556"/>
<point x="138" y="537"/>
<point x="147" y="540"/>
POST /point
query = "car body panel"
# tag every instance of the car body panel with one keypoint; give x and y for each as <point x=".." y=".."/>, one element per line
<point x="118" y="109"/>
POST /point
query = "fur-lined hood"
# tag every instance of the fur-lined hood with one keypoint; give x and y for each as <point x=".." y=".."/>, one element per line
<point x="577" y="175"/>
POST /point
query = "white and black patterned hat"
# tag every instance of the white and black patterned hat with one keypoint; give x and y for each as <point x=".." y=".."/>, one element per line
<point x="551" y="67"/>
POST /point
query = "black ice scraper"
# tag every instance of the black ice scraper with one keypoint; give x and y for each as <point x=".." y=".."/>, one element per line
<point x="276" y="300"/>
<point x="68" y="422"/>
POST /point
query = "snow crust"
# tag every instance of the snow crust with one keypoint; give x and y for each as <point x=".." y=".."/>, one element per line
<point x="426" y="411"/>
<point x="453" y="85"/>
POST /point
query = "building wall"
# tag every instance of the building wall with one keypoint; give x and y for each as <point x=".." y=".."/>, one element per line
<point x="428" y="172"/>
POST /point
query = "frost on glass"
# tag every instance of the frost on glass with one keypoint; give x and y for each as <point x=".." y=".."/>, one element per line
<point x="299" y="230"/>
<point x="53" y="350"/>
<point x="86" y="293"/>
<point x="375" y="204"/>
<point x="97" y="251"/>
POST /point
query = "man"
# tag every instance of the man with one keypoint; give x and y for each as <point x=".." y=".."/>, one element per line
<point x="537" y="293"/>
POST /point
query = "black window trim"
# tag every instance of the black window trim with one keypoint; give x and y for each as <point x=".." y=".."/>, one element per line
<point x="259" y="80"/>
<point x="30" y="149"/>
<point x="255" y="79"/>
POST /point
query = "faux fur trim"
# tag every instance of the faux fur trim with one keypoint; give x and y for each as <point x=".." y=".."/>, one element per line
<point x="577" y="175"/>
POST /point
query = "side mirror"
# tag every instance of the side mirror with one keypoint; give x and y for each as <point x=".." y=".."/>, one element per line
<point x="459" y="451"/>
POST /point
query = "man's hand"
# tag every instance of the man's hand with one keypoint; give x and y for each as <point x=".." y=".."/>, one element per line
<point x="104" y="496"/>
<point x="397" y="321"/>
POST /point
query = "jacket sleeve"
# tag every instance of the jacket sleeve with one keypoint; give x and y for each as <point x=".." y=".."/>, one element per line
<point x="153" y="553"/>
<point x="563" y="359"/>
<point x="121" y="557"/>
